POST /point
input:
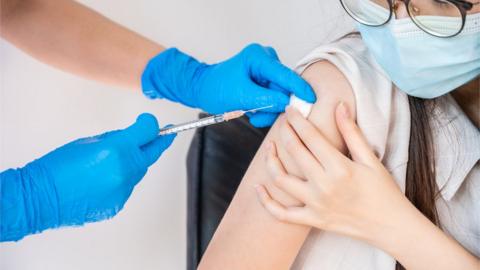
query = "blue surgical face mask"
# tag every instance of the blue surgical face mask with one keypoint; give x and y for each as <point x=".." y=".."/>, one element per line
<point x="420" y="64"/>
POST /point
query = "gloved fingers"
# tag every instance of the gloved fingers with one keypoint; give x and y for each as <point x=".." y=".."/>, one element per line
<point x="144" y="130"/>
<point x="271" y="52"/>
<point x="262" y="119"/>
<point x="256" y="49"/>
<point x="258" y="97"/>
<point x="273" y="71"/>
<point x="155" y="148"/>
<point x="276" y="87"/>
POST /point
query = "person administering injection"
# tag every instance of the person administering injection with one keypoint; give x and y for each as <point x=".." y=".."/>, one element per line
<point x="90" y="179"/>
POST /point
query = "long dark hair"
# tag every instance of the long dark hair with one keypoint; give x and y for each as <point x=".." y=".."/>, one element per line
<point x="420" y="186"/>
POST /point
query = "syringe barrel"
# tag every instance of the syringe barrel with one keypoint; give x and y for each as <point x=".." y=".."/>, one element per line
<point x="193" y="124"/>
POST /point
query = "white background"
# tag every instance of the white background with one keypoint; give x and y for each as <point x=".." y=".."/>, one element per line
<point x="42" y="108"/>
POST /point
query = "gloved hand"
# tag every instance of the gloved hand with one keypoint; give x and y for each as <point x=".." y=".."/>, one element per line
<point x="87" y="180"/>
<point x="254" y="78"/>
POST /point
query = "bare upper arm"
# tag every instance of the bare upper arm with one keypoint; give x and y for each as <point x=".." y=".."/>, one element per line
<point x="248" y="237"/>
<point x="331" y="87"/>
<point x="8" y="9"/>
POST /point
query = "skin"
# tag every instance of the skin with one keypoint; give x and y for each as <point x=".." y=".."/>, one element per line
<point x="275" y="243"/>
<point x="406" y="234"/>
<point x="81" y="41"/>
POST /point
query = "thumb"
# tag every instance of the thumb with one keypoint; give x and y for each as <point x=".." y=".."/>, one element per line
<point x="154" y="149"/>
<point x="358" y="146"/>
<point x="144" y="130"/>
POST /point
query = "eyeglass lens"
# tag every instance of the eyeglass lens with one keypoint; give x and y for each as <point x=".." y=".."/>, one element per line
<point x="437" y="17"/>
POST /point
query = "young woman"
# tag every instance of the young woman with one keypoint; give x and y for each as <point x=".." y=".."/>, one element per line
<point x="428" y="150"/>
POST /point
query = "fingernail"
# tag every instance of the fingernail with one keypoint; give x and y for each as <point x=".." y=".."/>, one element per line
<point x="343" y="110"/>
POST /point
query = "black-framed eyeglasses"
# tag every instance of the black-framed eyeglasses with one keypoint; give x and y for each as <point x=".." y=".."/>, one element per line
<point x="440" y="18"/>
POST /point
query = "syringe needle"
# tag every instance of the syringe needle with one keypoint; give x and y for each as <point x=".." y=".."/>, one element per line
<point x="236" y="114"/>
<point x="258" y="109"/>
<point x="211" y="120"/>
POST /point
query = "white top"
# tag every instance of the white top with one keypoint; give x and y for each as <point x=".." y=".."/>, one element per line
<point x="383" y="115"/>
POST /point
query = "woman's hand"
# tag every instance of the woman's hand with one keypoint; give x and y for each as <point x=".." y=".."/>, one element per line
<point x="356" y="197"/>
<point x="353" y="196"/>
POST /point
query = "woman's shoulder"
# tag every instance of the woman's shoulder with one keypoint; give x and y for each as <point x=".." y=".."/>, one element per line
<point x="345" y="68"/>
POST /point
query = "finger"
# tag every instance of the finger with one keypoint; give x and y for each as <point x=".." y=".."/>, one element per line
<point x="358" y="146"/>
<point x="271" y="52"/>
<point x="302" y="157"/>
<point x="259" y="97"/>
<point x="292" y="185"/>
<point x="275" y="87"/>
<point x="262" y="119"/>
<point x="264" y="82"/>
<point x="269" y="68"/>
<point x="278" y="211"/>
<point x="317" y="144"/>
<point x="144" y="130"/>
<point x="155" y="148"/>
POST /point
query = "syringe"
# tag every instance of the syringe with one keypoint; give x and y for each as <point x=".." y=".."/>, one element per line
<point x="207" y="121"/>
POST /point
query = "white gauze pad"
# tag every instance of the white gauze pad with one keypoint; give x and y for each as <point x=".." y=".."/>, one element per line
<point x="302" y="106"/>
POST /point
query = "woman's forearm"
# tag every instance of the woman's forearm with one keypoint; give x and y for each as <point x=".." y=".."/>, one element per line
<point x="418" y="244"/>
<point x="74" y="38"/>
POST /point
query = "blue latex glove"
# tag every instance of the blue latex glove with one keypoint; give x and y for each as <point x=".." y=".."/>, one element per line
<point x="254" y="78"/>
<point x="86" y="180"/>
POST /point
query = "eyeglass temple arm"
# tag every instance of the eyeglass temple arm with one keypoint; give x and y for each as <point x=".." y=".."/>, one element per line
<point x="465" y="4"/>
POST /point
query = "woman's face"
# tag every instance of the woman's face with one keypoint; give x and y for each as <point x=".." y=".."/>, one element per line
<point x="428" y="5"/>
<point x="443" y="60"/>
